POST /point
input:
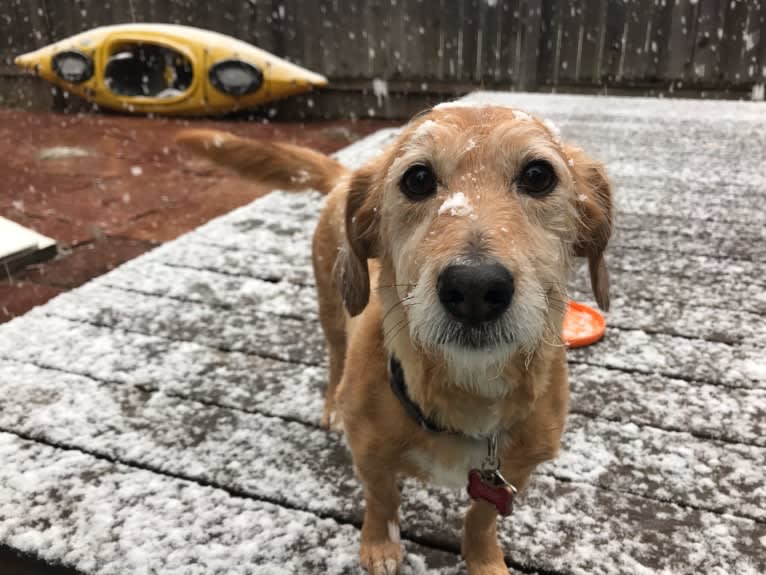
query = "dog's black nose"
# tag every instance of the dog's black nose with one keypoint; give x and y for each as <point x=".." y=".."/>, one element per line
<point x="473" y="294"/>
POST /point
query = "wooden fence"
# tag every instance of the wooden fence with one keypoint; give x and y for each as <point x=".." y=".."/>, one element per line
<point x="440" y="47"/>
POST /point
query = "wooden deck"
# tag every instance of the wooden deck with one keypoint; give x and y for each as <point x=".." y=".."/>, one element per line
<point x="164" y="418"/>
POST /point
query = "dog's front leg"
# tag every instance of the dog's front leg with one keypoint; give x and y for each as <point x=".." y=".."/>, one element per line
<point x="381" y="550"/>
<point x="480" y="548"/>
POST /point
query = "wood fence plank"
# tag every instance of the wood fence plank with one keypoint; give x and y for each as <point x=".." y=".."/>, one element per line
<point x="704" y="44"/>
<point x="528" y="52"/>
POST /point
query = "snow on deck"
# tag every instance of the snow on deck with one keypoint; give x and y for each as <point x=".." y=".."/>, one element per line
<point x="165" y="417"/>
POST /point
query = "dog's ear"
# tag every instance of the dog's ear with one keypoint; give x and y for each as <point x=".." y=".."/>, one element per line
<point x="362" y="241"/>
<point x="595" y="214"/>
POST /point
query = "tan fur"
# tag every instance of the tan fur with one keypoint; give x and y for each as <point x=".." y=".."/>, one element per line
<point x="379" y="253"/>
<point x="288" y="166"/>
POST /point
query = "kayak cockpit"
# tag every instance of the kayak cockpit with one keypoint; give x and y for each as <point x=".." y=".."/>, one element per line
<point x="147" y="70"/>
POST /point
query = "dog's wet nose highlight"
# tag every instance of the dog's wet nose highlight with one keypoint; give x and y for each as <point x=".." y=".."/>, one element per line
<point x="475" y="293"/>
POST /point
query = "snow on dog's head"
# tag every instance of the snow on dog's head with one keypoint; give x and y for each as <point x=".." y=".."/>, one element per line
<point x="475" y="213"/>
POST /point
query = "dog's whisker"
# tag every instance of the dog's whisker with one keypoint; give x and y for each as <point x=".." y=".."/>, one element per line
<point x="387" y="286"/>
<point x="401" y="302"/>
<point x="393" y="308"/>
<point x="395" y="326"/>
<point x="554" y="344"/>
<point x="388" y="338"/>
<point x="401" y="328"/>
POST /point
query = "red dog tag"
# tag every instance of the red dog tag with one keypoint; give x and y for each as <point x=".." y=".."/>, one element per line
<point x="491" y="487"/>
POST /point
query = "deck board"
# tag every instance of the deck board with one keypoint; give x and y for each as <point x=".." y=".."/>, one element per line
<point x="256" y="454"/>
<point x="166" y="414"/>
<point x="284" y="389"/>
<point x="196" y="529"/>
<point x="293" y="339"/>
<point x="225" y="445"/>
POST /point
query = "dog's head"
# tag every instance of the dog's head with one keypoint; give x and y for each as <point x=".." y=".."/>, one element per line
<point x="475" y="213"/>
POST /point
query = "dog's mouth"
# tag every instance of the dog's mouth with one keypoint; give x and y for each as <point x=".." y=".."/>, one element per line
<point x="484" y="336"/>
<point x="440" y="333"/>
<point x="468" y="308"/>
<point x="433" y="326"/>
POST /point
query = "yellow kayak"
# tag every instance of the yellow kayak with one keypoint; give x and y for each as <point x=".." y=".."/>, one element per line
<point x="167" y="69"/>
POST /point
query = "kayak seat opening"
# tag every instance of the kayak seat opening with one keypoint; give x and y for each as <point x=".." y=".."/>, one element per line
<point x="147" y="70"/>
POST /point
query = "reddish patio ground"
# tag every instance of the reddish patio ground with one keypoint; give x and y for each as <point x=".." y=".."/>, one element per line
<point x="134" y="190"/>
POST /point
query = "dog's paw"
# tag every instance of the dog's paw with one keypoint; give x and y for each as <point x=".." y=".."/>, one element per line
<point x="381" y="558"/>
<point x="331" y="420"/>
<point x="326" y="420"/>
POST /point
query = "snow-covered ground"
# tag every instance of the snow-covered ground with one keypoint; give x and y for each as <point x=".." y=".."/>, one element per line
<point x="164" y="417"/>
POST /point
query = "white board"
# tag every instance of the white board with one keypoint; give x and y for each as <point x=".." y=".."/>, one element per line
<point x="18" y="243"/>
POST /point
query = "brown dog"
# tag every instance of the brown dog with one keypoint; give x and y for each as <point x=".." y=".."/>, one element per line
<point x="451" y="253"/>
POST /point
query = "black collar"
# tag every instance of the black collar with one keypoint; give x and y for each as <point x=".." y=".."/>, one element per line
<point x="399" y="387"/>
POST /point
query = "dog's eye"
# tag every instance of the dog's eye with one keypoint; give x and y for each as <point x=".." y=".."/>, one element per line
<point x="537" y="178"/>
<point x="418" y="182"/>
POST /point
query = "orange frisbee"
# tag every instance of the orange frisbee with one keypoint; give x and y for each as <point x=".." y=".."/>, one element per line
<point x="583" y="325"/>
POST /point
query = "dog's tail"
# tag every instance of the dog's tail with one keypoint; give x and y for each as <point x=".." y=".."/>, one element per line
<point x="284" y="165"/>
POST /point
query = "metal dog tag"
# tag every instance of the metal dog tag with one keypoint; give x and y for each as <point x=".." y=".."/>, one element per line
<point x="491" y="486"/>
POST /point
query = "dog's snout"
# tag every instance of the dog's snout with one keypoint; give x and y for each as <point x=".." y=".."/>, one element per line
<point x="474" y="294"/>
